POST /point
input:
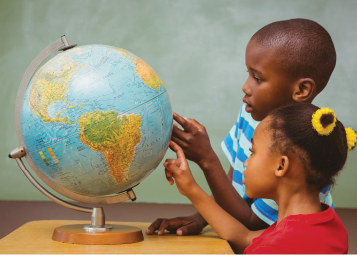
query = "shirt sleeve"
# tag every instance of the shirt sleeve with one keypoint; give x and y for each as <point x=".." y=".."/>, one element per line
<point x="229" y="144"/>
<point x="266" y="210"/>
<point x="325" y="197"/>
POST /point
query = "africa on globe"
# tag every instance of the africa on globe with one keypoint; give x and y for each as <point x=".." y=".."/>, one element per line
<point x="96" y="120"/>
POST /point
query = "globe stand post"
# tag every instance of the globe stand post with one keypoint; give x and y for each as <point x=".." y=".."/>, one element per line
<point x="98" y="232"/>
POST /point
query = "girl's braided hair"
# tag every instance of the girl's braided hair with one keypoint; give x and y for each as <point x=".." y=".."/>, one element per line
<point x="322" y="156"/>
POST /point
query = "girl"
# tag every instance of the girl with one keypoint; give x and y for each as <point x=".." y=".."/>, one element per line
<point x="296" y="151"/>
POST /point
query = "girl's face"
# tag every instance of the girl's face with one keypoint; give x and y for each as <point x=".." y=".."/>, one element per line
<point x="260" y="179"/>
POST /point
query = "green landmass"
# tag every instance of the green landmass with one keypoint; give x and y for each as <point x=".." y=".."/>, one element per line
<point x="115" y="136"/>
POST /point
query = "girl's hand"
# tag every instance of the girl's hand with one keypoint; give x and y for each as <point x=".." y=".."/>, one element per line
<point x="179" y="170"/>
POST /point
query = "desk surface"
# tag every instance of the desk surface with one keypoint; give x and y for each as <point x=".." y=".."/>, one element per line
<point x="36" y="237"/>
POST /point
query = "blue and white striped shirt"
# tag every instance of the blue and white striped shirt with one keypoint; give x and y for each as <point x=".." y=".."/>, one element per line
<point x="236" y="146"/>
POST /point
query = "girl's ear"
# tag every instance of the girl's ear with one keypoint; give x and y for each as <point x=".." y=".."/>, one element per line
<point x="283" y="166"/>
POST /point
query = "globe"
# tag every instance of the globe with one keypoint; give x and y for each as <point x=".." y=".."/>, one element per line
<point x="96" y="120"/>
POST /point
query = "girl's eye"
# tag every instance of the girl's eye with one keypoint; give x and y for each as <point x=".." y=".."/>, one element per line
<point x="257" y="79"/>
<point x="251" y="150"/>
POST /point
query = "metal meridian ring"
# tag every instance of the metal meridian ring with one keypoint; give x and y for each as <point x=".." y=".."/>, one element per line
<point x="60" y="43"/>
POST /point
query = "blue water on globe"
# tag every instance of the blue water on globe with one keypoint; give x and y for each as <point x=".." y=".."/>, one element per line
<point x="96" y="120"/>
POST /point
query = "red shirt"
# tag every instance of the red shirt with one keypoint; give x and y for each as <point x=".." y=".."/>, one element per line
<point x="321" y="232"/>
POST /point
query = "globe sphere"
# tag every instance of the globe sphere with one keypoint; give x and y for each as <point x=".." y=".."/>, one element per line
<point x="96" y="120"/>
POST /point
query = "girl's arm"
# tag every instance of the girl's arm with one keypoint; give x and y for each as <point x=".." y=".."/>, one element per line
<point x="226" y="226"/>
<point x="222" y="222"/>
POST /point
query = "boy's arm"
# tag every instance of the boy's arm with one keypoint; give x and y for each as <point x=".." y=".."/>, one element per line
<point x="195" y="143"/>
<point x="222" y="222"/>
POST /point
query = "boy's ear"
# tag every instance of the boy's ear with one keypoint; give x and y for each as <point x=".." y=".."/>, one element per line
<point x="304" y="90"/>
<point x="283" y="166"/>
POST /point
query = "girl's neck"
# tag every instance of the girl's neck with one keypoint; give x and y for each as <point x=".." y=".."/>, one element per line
<point x="297" y="202"/>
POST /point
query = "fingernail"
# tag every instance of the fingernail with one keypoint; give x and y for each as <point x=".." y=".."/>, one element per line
<point x="179" y="232"/>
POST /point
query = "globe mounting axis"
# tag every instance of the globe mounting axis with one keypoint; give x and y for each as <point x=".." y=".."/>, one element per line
<point x="97" y="232"/>
<point x="66" y="44"/>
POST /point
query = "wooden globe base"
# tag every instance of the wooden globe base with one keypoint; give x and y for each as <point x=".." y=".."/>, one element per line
<point x="76" y="234"/>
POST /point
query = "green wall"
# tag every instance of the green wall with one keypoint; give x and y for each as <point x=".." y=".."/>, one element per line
<point x="196" y="47"/>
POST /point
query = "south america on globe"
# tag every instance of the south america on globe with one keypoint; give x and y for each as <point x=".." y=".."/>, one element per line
<point x="96" y="120"/>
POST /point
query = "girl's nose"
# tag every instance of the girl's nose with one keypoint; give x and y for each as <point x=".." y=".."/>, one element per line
<point x="246" y="162"/>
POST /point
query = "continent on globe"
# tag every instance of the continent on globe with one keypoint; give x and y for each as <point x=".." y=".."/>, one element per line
<point x="49" y="86"/>
<point x="146" y="73"/>
<point x="113" y="135"/>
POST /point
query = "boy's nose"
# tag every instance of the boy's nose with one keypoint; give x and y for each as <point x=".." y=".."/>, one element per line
<point x="246" y="89"/>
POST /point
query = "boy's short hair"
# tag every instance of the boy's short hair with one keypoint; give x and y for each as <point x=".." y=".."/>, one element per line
<point x="304" y="48"/>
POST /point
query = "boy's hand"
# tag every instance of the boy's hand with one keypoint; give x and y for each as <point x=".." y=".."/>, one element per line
<point x="190" y="225"/>
<point x="179" y="170"/>
<point x="193" y="140"/>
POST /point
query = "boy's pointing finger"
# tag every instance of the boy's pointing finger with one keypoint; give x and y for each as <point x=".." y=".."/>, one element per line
<point x="183" y="122"/>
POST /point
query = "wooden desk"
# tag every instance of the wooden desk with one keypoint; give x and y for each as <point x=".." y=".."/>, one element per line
<point x="36" y="237"/>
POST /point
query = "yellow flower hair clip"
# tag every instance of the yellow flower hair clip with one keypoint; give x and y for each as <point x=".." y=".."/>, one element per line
<point x="324" y="121"/>
<point x="351" y="136"/>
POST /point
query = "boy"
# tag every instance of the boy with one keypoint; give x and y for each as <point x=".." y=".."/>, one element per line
<point x="288" y="61"/>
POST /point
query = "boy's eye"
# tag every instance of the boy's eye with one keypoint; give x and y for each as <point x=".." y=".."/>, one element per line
<point x="254" y="77"/>
<point x="251" y="150"/>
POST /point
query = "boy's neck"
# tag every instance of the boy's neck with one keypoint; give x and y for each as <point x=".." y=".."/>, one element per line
<point x="297" y="202"/>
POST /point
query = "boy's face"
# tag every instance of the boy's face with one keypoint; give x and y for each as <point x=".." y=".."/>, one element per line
<point x="268" y="86"/>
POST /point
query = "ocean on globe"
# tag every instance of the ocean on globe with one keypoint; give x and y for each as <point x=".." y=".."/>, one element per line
<point x="96" y="120"/>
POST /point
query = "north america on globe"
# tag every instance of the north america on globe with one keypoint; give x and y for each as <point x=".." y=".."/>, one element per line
<point x="96" y="120"/>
